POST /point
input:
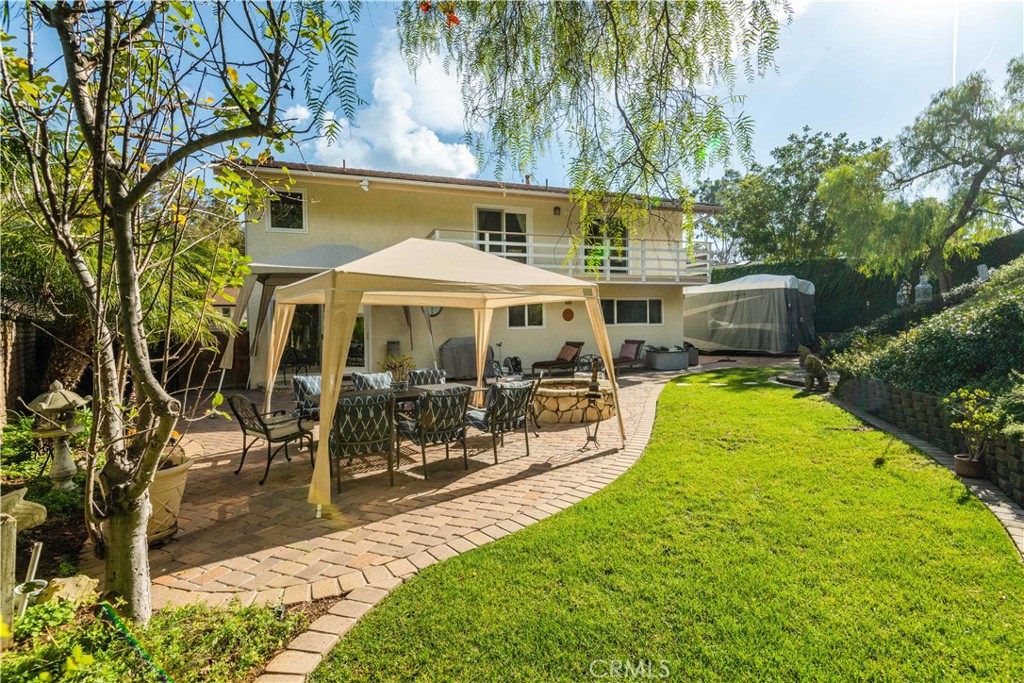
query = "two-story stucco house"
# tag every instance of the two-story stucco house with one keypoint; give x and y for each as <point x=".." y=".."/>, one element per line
<point x="330" y="216"/>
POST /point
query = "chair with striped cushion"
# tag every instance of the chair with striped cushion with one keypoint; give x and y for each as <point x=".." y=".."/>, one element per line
<point x="371" y="381"/>
<point x="440" y="418"/>
<point x="420" y="377"/>
<point x="304" y="387"/>
<point x="506" y="409"/>
<point x="363" y="425"/>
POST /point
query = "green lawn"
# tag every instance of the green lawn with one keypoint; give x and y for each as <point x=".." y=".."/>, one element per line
<point x="764" y="535"/>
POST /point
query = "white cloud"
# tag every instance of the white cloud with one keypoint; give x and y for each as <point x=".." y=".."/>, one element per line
<point x="399" y="130"/>
<point x="297" y="113"/>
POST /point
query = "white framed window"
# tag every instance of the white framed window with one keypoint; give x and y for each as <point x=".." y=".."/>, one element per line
<point x="606" y="250"/>
<point x="287" y="213"/>
<point x="530" y="315"/>
<point x="503" y="231"/>
<point x="632" y="311"/>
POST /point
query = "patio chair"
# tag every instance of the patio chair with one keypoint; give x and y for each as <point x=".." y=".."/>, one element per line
<point x="304" y="387"/>
<point x="629" y="354"/>
<point x="565" y="360"/>
<point x="506" y="409"/>
<point x="275" y="428"/>
<point x="420" y="377"/>
<point x="371" y="381"/>
<point x="363" y="425"/>
<point x="441" y="418"/>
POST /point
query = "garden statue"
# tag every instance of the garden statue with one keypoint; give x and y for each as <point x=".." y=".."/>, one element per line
<point x="814" y="370"/>
<point x="55" y="413"/>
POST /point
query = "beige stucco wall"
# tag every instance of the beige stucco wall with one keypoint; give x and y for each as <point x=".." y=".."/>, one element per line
<point x="339" y="212"/>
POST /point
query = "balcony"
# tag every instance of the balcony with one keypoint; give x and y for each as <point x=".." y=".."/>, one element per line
<point x="636" y="261"/>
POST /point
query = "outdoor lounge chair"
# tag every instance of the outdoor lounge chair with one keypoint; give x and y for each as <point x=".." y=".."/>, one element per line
<point x="304" y="387"/>
<point x="363" y="425"/>
<point x="440" y="418"/>
<point x="629" y="354"/>
<point x="275" y="428"/>
<point x="506" y="409"/>
<point x="565" y="361"/>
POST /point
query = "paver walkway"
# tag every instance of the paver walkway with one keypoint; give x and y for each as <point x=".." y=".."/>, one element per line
<point x="262" y="544"/>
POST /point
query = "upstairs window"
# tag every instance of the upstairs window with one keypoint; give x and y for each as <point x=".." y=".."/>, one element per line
<point x="502" y="232"/>
<point x="288" y="212"/>
<point x="606" y="249"/>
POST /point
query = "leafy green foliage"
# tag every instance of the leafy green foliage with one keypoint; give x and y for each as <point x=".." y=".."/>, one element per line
<point x="967" y="146"/>
<point x="629" y="86"/>
<point x="900" y="318"/>
<point x="38" y="619"/>
<point x="58" y="642"/>
<point x="58" y="502"/>
<point x="774" y="211"/>
<point x="976" y="344"/>
<point x="974" y="417"/>
<point x="1011" y="404"/>
<point x="765" y="535"/>
<point x="19" y="451"/>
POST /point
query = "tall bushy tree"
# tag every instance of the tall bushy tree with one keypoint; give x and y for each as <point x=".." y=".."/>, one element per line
<point x="950" y="180"/>
<point x="114" y="137"/>
<point x="775" y="212"/>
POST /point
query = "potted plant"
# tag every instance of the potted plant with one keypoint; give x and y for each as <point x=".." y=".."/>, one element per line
<point x="167" y="490"/>
<point x="978" y="422"/>
<point x="399" y="366"/>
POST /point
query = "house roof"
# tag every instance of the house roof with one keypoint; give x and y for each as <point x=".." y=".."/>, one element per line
<point x="416" y="178"/>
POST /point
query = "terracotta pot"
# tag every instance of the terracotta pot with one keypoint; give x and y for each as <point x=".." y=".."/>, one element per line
<point x="965" y="467"/>
<point x="165" y="495"/>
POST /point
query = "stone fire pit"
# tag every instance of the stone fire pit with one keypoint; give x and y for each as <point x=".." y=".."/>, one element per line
<point x="561" y="401"/>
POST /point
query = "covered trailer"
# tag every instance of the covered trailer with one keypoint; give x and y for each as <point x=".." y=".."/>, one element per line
<point x="761" y="313"/>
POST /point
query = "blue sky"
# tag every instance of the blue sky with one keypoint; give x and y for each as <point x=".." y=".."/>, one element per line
<point x="866" y="68"/>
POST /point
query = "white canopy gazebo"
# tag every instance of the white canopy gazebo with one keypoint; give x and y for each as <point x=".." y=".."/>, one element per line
<point x="419" y="272"/>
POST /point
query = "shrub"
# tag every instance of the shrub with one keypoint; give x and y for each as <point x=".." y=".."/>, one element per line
<point x="1011" y="405"/>
<point x="56" y="642"/>
<point x="976" y="344"/>
<point x="974" y="417"/>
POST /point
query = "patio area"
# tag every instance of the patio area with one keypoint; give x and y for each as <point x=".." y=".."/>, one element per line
<point x="262" y="544"/>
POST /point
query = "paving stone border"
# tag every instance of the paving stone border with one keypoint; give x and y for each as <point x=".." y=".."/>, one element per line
<point x="1009" y="513"/>
<point x="303" y="654"/>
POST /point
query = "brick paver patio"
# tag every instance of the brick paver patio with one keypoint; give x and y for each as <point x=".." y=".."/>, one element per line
<point x="262" y="544"/>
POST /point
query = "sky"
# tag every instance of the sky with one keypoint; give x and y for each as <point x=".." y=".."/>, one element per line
<point x="866" y="68"/>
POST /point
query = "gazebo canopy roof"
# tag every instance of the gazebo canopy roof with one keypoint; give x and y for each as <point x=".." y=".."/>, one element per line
<point x="420" y="272"/>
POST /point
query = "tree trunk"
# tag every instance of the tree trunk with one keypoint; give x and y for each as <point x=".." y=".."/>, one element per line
<point x="127" y="553"/>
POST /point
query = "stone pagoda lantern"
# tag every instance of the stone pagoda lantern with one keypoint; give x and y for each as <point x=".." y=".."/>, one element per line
<point x="55" y="412"/>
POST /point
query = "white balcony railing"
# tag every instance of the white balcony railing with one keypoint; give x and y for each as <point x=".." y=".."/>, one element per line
<point x="636" y="260"/>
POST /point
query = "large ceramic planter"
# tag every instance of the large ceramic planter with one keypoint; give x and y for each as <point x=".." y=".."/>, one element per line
<point x="965" y="467"/>
<point x="165" y="496"/>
